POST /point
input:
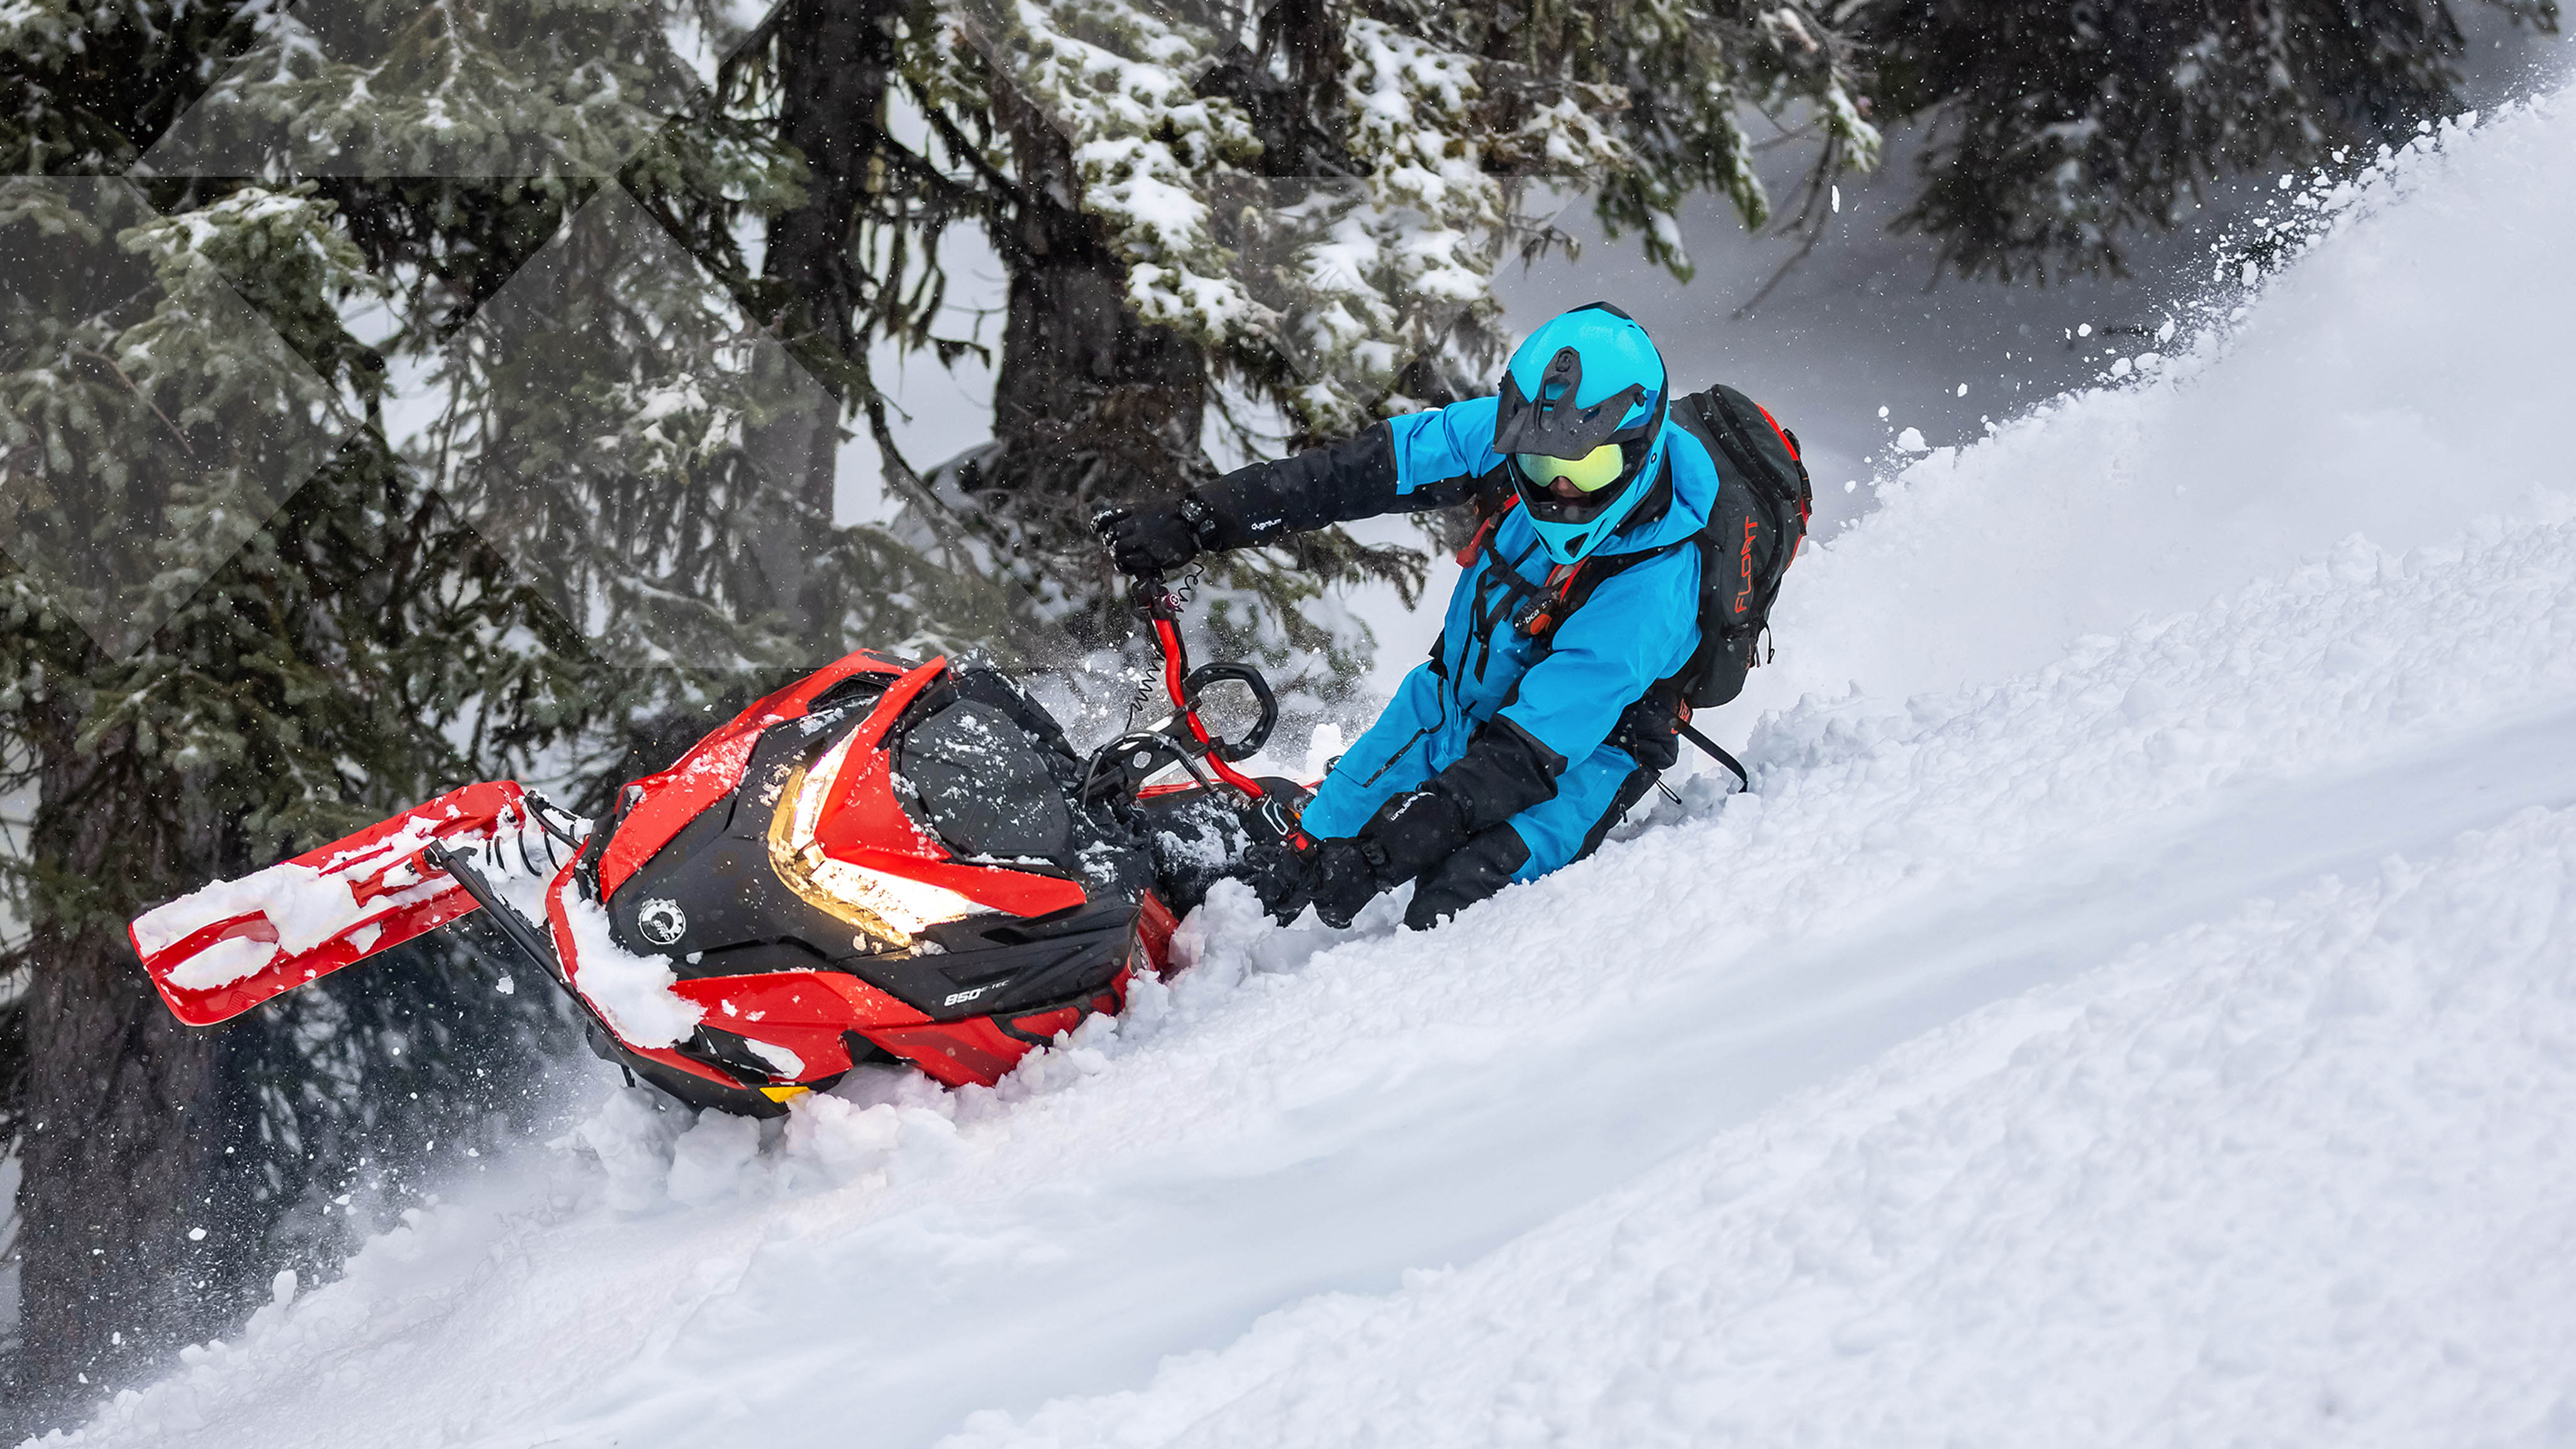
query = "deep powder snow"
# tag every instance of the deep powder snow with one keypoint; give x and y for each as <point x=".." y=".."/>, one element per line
<point x="2134" y="1008"/>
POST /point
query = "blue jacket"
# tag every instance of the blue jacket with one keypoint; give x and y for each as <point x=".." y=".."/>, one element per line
<point x="1513" y="726"/>
<point x="1639" y="626"/>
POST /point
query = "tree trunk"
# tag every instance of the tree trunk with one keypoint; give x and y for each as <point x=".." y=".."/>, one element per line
<point x="126" y="1115"/>
<point x="836" y="59"/>
<point x="1092" y="406"/>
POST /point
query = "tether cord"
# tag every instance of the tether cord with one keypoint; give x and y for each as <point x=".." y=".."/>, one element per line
<point x="1716" y="753"/>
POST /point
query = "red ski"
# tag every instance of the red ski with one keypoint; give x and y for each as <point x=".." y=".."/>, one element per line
<point x="227" y="948"/>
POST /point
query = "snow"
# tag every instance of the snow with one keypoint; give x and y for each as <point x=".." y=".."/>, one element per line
<point x="223" y="963"/>
<point x="2390" y="383"/>
<point x="2132" y="1008"/>
<point x="2253" y="1183"/>
<point x="633" y="992"/>
<point x="306" y="906"/>
<point x="785" y="1063"/>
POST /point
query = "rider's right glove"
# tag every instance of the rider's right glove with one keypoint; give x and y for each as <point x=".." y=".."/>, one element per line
<point x="1157" y="538"/>
<point x="1341" y="877"/>
<point x="1408" y="835"/>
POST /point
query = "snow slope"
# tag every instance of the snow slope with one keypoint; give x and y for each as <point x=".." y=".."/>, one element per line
<point x="2136" y="1008"/>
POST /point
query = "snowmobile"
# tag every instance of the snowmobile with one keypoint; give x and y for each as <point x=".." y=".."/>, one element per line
<point x="885" y="862"/>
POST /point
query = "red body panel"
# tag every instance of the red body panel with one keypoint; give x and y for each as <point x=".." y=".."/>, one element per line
<point x="980" y="1051"/>
<point x="973" y="1052"/>
<point x="1155" y="924"/>
<point x="863" y="824"/>
<point x="803" y="1011"/>
<point x="714" y="765"/>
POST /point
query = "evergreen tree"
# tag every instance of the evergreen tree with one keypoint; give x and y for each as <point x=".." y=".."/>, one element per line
<point x="2058" y="129"/>
<point x="281" y="695"/>
<point x="1297" y="213"/>
<point x="585" y="533"/>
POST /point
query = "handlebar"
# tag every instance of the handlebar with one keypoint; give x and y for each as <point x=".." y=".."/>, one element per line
<point x="1194" y="742"/>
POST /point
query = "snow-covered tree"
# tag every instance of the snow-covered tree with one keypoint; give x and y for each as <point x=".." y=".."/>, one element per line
<point x="2058" y="129"/>
<point x="1320" y="196"/>
<point x="339" y="469"/>
<point x="1292" y="217"/>
<point x="182" y="711"/>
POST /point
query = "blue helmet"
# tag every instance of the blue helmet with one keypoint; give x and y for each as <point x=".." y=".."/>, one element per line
<point x="1585" y="383"/>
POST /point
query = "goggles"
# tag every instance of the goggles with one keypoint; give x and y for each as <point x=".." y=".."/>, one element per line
<point x="1591" y="473"/>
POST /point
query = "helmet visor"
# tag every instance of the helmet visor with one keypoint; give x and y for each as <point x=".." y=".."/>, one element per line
<point x="1590" y="473"/>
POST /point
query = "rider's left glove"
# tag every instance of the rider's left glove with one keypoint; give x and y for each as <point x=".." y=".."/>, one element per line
<point x="1342" y="877"/>
<point x="1158" y="538"/>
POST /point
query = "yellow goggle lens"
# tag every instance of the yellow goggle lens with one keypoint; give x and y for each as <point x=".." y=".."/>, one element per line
<point x="1592" y="472"/>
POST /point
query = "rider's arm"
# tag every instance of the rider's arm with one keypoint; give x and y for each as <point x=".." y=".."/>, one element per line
<point x="1638" y="627"/>
<point x="1415" y="462"/>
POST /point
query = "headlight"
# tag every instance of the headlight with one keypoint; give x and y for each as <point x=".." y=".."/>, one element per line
<point x="886" y="907"/>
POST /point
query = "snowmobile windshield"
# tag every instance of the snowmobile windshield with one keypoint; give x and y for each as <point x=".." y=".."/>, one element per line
<point x="984" y="786"/>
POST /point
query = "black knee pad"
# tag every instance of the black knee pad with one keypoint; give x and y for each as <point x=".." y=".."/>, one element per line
<point x="1474" y="871"/>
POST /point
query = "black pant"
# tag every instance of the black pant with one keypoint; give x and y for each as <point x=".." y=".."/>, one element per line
<point x="1485" y="863"/>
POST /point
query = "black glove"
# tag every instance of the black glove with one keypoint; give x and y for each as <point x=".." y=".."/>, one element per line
<point x="1341" y="878"/>
<point x="1407" y="836"/>
<point x="1277" y="874"/>
<point x="1415" y="831"/>
<point x="1651" y="732"/>
<point x="1157" y="538"/>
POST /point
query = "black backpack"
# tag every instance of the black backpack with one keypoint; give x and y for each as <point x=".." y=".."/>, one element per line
<point x="1754" y="529"/>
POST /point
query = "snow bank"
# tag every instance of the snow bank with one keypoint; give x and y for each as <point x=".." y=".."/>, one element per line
<point x="2405" y="376"/>
<point x="2294" y="1176"/>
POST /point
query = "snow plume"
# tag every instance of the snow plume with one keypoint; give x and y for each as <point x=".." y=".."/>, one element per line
<point x="2133" y="1009"/>
<point x="654" y="1156"/>
<point x="2393" y="382"/>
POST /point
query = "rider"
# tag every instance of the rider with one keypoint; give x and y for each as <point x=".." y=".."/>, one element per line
<point x="1531" y="729"/>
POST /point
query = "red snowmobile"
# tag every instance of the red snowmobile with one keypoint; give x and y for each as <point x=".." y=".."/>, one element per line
<point x="884" y="862"/>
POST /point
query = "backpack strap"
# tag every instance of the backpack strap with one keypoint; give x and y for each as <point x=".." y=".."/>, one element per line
<point x="1490" y="519"/>
<point x="1568" y="586"/>
<point x="1650" y="731"/>
<point x="1711" y="748"/>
